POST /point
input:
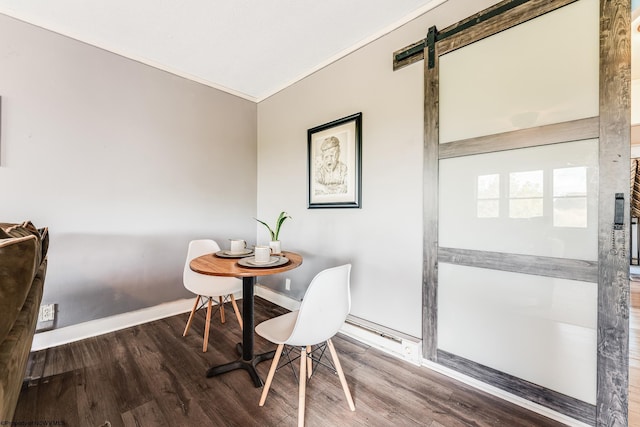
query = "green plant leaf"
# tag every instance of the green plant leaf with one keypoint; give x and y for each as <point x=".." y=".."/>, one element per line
<point x="281" y="219"/>
<point x="268" y="228"/>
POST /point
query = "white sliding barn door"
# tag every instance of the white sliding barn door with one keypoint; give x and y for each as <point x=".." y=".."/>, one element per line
<point x="512" y="119"/>
<point x="540" y="201"/>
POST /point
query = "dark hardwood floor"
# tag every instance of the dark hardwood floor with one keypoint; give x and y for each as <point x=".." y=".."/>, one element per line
<point x="149" y="375"/>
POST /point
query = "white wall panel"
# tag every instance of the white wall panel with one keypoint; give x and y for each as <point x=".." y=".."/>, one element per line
<point x="533" y="201"/>
<point x="540" y="201"/>
<point x="540" y="329"/>
<point x="484" y="90"/>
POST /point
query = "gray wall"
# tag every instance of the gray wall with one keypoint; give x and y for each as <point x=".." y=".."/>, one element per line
<point x="383" y="240"/>
<point x="124" y="163"/>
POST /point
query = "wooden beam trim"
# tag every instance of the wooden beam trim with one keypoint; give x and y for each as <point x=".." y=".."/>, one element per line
<point x="559" y="402"/>
<point x="413" y="58"/>
<point x="575" y="130"/>
<point x="430" y="211"/>
<point x="612" y="399"/>
<point x="561" y="268"/>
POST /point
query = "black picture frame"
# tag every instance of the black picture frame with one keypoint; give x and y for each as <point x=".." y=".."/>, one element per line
<point x="334" y="164"/>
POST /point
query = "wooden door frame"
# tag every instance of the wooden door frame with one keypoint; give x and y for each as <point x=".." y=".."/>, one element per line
<point x="611" y="271"/>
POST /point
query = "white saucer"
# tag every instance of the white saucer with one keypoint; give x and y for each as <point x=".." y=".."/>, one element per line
<point x="229" y="254"/>
<point x="274" y="261"/>
<point x="242" y="252"/>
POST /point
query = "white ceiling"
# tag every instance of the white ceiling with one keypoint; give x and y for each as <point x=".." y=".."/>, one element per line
<point x="251" y="48"/>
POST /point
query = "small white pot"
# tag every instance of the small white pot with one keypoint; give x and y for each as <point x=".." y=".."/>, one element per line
<point x="275" y="246"/>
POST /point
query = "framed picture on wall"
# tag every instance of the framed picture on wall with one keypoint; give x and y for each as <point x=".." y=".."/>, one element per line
<point x="334" y="163"/>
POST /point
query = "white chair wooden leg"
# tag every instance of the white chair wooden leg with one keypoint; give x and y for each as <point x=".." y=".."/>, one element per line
<point x="206" y="327"/>
<point x="301" y="390"/>
<point x="343" y="380"/>
<point x="221" y="301"/>
<point x="309" y="362"/>
<point x="193" y="311"/>
<point x="235" y="309"/>
<point x="272" y="371"/>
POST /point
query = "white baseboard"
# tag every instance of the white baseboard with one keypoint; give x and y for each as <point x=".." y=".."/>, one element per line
<point x="409" y="350"/>
<point x="93" y="328"/>
<point x="396" y="344"/>
<point x="276" y="297"/>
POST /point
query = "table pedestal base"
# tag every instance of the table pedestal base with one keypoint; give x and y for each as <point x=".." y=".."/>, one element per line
<point x="247" y="365"/>
<point x="247" y="360"/>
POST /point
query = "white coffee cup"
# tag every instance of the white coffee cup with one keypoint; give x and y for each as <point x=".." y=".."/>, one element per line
<point x="262" y="254"/>
<point x="237" y="246"/>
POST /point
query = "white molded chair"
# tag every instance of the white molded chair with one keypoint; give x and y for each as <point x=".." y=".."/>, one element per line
<point x="206" y="287"/>
<point x="322" y="313"/>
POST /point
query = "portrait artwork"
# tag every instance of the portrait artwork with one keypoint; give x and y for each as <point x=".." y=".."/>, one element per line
<point x="334" y="162"/>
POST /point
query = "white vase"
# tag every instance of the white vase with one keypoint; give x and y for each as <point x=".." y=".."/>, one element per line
<point x="275" y="246"/>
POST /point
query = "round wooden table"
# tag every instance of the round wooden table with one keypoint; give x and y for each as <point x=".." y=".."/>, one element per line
<point x="213" y="265"/>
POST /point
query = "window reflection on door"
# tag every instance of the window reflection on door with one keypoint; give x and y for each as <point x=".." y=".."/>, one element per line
<point x="527" y="197"/>
<point x="488" y="205"/>
<point x="570" y="197"/>
<point x="526" y="192"/>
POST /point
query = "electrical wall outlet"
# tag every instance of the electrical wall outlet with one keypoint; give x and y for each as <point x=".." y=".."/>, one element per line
<point x="287" y="284"/>
<point x="47" y="313"/>
<point x="46" y="317"/>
